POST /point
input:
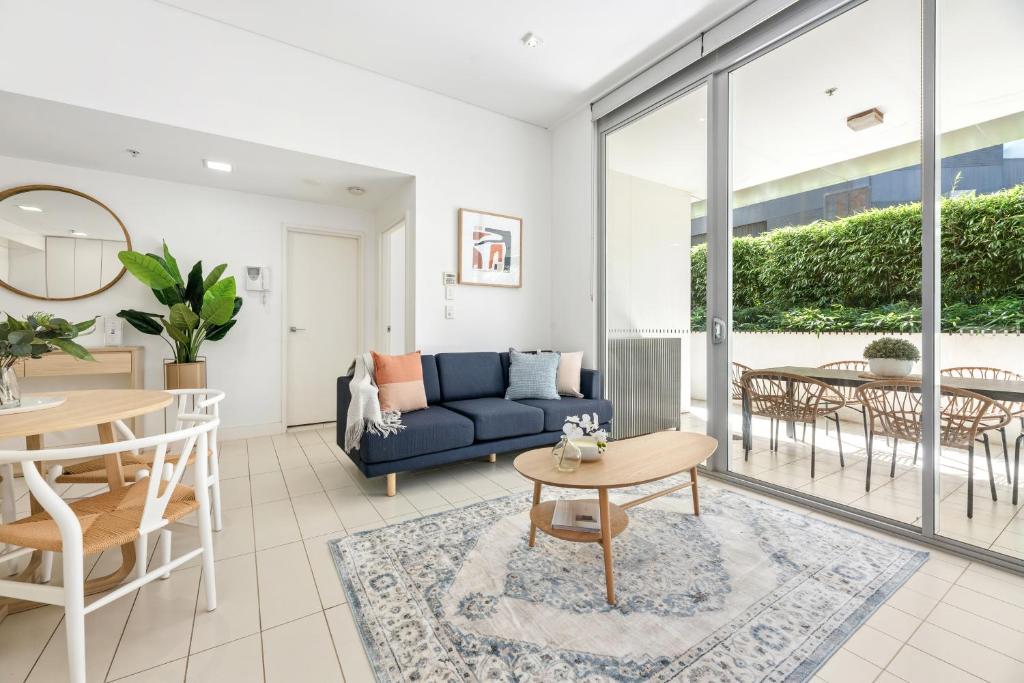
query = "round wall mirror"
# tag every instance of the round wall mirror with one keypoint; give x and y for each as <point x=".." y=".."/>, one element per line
<point x="57" y="243"/>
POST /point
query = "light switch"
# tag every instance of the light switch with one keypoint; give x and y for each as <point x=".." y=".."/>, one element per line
<point x="449" y="312"/>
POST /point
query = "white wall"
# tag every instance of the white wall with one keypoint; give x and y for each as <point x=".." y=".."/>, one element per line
<point x="400" y="206"/>
<point x="216" y="226"/>
<point x="181" y="69"/>
<point x="573" y="280"/>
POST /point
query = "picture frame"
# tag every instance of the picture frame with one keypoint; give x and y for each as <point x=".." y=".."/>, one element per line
<point x="490" y="249"/>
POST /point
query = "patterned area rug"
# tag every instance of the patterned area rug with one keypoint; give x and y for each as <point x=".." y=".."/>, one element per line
<point x="746" y="592"/>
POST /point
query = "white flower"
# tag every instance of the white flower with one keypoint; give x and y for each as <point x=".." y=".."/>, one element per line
<point x="585" y="421"/>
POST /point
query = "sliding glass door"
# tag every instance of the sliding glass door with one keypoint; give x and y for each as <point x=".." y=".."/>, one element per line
<point x="820" y="225"/>
<point x="655" y="197"/>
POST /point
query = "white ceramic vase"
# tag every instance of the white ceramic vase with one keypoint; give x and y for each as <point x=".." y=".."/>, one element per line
<point x="589" y="452"/>
<point x="890" y="367"/>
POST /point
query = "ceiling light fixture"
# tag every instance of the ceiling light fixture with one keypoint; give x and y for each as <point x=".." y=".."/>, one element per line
<point x="133" y="153"/>
<point x="356" y="191"/>
<point x="865" y="119"/>
<point x="222" y="166"/>
<point x="531" y="39"/>
<point x="33" y="209"/>
<point x="78" y="233"/>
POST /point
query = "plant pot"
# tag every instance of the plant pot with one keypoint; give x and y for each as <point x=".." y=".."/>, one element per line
<point x="890" y="367"/>
<point x="185" y="375"/>
<point x="589" y="451"/>
<point x="10" y="392"/>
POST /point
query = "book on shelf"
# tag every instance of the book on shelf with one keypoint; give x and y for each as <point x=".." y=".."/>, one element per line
<point x="576" y="515"/>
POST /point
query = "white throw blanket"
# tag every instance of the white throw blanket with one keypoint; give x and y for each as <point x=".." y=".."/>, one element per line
<point x="364" y="413"/>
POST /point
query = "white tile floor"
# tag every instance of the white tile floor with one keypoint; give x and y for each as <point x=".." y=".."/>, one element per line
<point x="282" y="613"/>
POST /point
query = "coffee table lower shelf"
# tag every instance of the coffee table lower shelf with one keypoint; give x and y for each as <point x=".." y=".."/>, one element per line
<point x="541" y="516"/>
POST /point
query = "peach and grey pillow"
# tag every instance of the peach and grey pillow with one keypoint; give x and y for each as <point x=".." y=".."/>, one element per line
<point x="399" y="382"/>
<point x="570" y="364"/>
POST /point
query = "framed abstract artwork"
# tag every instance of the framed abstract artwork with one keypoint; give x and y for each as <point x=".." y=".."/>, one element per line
<point x="490" y="249"/>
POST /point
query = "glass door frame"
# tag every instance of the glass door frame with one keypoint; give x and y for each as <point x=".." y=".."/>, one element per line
<point x="713" y="70"/>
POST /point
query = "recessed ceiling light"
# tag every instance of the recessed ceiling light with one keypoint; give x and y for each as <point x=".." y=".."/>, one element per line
<point x="33" y="209"/>
<point x="356" y="191"/>
<point x="78" y="233"/>
<point x="221" y="166"/>
<point x="532" y="40"/>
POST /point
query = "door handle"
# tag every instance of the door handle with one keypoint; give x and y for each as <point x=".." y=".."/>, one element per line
<point x="292" y="328"/>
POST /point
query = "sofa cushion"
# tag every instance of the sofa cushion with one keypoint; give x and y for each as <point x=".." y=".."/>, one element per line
<point x="399" y="381"/>
<point x="431" y="385"/>
<point x="555" y="412"/>
<point x="429" y="430"/>
<point x="496" y="418"/>
<point x="470" y="375"/>
<point x="532" y="375"/>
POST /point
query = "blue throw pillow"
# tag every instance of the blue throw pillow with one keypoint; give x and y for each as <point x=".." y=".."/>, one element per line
<point x="532" y="375"/>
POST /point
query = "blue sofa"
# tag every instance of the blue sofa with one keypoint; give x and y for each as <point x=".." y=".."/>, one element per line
<point x="467" y="417"/>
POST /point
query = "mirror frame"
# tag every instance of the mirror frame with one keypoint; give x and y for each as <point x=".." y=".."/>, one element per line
<point x="21" y="189"/>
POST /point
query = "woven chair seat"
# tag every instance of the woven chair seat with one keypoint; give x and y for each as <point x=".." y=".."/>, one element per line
<point x="108" y="520"/>
<point x="94" y="471"/>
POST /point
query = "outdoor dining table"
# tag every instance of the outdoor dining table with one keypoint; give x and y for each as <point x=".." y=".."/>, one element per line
<point x="997" y="389"/>
<point x="98" y="408"/>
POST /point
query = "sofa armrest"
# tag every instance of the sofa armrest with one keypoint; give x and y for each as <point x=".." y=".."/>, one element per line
<point x="344" y="399"/>
<point x="590" y="383"/>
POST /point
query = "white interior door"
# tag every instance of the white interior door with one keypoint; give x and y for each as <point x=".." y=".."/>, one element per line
<point x="324" y="300"/>
<point x="392" y="304"/>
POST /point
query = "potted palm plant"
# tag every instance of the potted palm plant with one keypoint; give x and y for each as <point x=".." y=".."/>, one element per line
<point x="891" y="357"/>
<point x="199" y="309"/>
<point x="38" y="334"/>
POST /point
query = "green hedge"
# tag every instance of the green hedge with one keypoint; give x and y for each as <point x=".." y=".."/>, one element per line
<point x="873" y="259"/>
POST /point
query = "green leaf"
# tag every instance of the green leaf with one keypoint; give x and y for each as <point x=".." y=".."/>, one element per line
<point x="72" y="349"/>
<point x="172" y="265"/>
<point x="195" y="288"/>
<point x="183" y="318"/>
<point x="146" y="269"/>
<point x="20" y="337"/>
<point x="147" y="323"/>
<point x="174" y="333"/>
<point x="214" y="276"/>
<point x="217" y="332"/>
<point x="217" y="310"/>
<point x="225" y="287"/>
<point x="84" y="326"/>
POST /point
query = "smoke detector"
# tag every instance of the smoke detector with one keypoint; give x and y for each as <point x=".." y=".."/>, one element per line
<point x="531" y="39"/>
<point x="356" y="191"/>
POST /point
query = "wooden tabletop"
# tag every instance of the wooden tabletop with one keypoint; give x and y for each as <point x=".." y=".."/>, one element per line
<point x="999" y="389"/>
<point x="84" y="409"/>
<point x="626" y="463"/>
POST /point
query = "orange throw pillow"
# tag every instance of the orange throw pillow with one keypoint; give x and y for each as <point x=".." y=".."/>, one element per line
<point x="399" y="382"/>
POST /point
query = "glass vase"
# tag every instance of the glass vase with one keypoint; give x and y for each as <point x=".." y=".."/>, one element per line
<point x="10" y="392"/>
<point x="567" y="456"/>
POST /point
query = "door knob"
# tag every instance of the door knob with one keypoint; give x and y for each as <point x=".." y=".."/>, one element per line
<point x="296" y="329"/>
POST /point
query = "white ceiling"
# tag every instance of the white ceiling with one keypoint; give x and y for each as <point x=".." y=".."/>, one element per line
<point x="32" y="128"/>
<point x="470" y="49"/>
<point x="784" y="124"/>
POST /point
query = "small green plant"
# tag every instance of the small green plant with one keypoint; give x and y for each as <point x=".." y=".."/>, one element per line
<point x="40" y="333"/>
<point x="891" y="347"/>
<point x="201" y="309"/>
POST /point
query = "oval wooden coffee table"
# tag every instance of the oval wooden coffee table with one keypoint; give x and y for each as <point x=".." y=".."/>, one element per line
<point x="625" y="463"/>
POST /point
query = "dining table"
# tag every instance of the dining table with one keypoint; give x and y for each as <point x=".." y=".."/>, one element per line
<point x="93" y="408"/>
<point x="997" y="389"/>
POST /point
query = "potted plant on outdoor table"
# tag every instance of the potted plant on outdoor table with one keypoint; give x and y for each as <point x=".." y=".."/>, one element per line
<point x="891" y="357"/>
<point x="32" y="337"/>
<point x="200" y="309"/>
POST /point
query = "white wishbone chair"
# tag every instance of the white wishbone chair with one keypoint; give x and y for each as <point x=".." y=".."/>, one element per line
<point x="93" y="471"/>
<point x="129" y="515"/>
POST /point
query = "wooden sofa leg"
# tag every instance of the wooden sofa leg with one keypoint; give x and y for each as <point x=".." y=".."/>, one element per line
<point x="392" y="484"/>
<point x="493" y="457"/>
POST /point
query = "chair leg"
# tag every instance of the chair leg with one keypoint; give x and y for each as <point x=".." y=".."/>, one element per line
<point x="141" y="555"/>
<point x="988" y="460"/>
<point x="970" y="482"/>
<point x="218" y="522"/>
<point x="867" y="477"/>
<point x="814" y="431"/>
<point x="165" y="550"/>
<point x="1016" y="466"/>
<point x="46" y="563"/>
<point x="839" y="440"/>
<point x="917" y="447"/>
<point x="777" y="422"/>
<point x="864" y="417"/>
<point x="892" y="466"/>
<point x="803" y="436"/>
<point x="1006" y="451"/>
<point x="74" y="611"/>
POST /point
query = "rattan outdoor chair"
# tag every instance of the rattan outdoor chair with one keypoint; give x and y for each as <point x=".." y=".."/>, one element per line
<point x="894" y="410"/>
<point x="736" y="371"/>
<point x="788" y="397"/>
<point x="1014" y="408"/>
<point x="849" y="393"/>
<point x="126" y="515"/>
